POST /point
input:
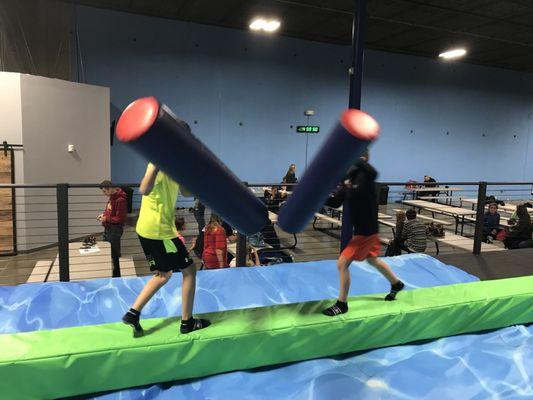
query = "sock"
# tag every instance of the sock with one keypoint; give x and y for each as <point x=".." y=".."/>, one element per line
<point x="340" y="307"/>
<point x="193" y="324"/>
<point x="134" y="312"/>
<point x="394" y="289"/>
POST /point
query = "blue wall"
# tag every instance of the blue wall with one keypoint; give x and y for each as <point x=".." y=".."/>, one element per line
<point x="245" y="91"/>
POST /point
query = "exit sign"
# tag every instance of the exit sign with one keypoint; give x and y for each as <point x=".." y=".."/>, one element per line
<point x="307" y="129"/>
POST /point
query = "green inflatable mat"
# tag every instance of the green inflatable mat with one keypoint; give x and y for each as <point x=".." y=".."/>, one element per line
<point x="89" y="359"/>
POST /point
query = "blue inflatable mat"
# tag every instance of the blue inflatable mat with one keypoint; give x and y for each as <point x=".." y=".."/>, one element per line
<point x="53" y="305"/>
<point x="493" y="364"/>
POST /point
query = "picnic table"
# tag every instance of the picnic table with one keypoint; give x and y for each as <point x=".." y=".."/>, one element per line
<point x="457" y="213"/>
<point x="462" y="243"/>
<point x="435" y="220"/>
<point x="414" y="192"/>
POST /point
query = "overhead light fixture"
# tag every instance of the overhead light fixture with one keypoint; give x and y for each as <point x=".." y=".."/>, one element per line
<point x="272" y="26"/>
<point x="261" y="24"/>
<point x="257" y="24"/>
<point x="451" y="54"/>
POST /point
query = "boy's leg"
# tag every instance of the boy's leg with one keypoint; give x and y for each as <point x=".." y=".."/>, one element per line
<point x="151" y="287"/>
<point x="384" y="269"/>
<point x="188" y="288"/>
<point x="343" y="266"/>
<point x="341" y="306"/>
<point x="115" y="234"/>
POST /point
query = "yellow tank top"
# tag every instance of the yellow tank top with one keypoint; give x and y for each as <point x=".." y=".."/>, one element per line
<point x="156" y="218"/>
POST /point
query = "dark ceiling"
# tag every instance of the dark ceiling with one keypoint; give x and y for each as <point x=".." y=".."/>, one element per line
<point x="497" y="33"/>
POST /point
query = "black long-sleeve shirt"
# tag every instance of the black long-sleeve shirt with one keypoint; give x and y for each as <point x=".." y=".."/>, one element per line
<point x="362" y="198"/>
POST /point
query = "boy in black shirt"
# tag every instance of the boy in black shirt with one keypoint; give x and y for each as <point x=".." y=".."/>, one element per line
<point x="365" y="245"/>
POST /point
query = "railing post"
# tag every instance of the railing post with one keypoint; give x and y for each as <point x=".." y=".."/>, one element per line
<point x="478" y="234"/>
<point x="241" y="250"/>
<point x="62" y="231"/>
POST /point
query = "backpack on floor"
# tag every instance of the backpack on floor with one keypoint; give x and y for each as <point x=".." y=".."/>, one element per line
<point x="436" y="230"/>
<point x="274" y="257"/>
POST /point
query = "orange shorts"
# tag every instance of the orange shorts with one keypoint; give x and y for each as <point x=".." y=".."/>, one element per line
<point x="362" y="247"/>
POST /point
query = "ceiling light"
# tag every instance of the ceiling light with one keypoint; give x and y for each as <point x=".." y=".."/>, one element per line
<point x="258" y="24"/>
<point x="450" y="54"/>
<point x="272" y="26"/>
<point x="261" y="24"/>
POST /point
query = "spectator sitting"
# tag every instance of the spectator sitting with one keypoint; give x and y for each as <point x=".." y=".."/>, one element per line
<point x="273" y="198"/>
<point x="290" y="177"/>
<point x="430" y="182"/>
<point x="252" y="258"/>
<point x="491" y="223"/>
<point x="520" y="231"/>
<point x="215" y="245"/>
<point x="395" y="245"/>
<point x="414" y="233"/>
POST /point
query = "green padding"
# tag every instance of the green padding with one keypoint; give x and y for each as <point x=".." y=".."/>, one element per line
<point x="88" y="359"/>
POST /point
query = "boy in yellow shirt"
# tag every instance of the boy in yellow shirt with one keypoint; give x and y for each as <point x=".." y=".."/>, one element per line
<point x="164" y="250"/>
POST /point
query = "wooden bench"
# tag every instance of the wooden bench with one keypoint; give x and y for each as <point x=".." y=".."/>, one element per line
<point x="461" y="242"/>
<point x="337" y="222"/>
<point x="504" y="222"/>
<point x="333" y="221"/>
<point x="389" y="224"/>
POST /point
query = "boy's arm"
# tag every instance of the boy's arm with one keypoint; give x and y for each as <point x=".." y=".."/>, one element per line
<point x="147" y="183"/>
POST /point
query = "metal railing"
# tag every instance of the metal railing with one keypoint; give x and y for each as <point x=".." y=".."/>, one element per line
<point x="44" y="227"/>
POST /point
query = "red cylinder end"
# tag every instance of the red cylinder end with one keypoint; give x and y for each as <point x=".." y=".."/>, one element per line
<point x="137" y="118"/>
<point x="360" y="124"/>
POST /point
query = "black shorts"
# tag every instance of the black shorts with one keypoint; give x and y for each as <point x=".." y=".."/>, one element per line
<point x="160" y="260"/>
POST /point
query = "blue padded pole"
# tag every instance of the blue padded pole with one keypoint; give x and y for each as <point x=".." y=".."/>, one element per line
<point x="159" y="136"/>
<point x="347" y="141"/>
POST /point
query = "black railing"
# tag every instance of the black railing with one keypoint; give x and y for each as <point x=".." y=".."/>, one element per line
<point x="51" y="222"/>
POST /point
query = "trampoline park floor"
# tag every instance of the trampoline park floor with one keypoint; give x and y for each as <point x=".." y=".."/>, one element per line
<point x="496" y="364"/>
<point x="493" y="265"/>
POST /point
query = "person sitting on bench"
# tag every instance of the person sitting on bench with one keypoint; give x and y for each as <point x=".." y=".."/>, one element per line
<point x="491" y="223"/>
<point x="520" y="231"/>
<point x="414" y="233"/>
<point x="395" y="245"/>
<point x="430" y="182"/>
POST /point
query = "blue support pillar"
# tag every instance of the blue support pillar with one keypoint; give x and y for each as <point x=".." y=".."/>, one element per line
<point x="356" y="79"/>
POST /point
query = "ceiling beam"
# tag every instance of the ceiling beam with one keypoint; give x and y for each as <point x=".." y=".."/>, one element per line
<point x="453" y="32"/>
<point x="469" y="13"/>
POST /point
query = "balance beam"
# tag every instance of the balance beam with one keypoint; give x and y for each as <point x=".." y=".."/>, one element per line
<point x="88" y="359"/>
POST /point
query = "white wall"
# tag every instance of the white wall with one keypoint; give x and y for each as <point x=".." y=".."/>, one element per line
<point x="45" y="116"/>
<point x="57" y="113"/>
